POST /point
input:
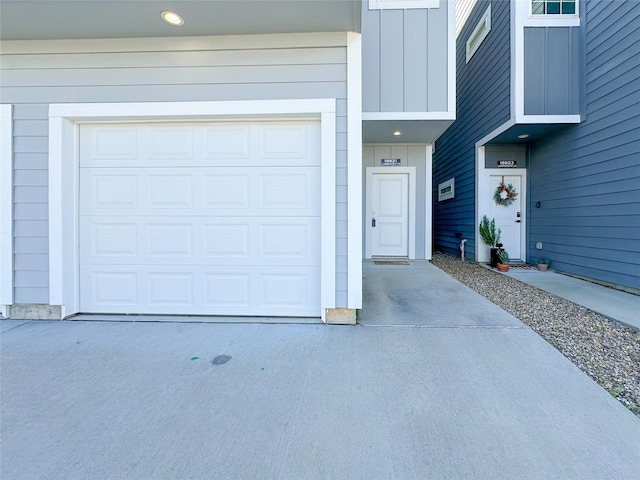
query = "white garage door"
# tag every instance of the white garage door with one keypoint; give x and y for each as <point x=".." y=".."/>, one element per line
<point x="200" y="218"/>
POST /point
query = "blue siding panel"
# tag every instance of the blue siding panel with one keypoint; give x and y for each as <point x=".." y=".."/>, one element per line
<point x="587" y="177"/>
<point x="483" y="93"/>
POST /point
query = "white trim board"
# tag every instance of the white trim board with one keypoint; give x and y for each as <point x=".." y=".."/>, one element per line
<point x="64" y="121"/>
<point x="6" y="208"/>
<point x="370" y="171"/>
<point x="354" y="170"/>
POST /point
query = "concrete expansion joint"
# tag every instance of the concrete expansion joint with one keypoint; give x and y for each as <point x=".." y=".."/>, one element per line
<point x="455" y="327"/>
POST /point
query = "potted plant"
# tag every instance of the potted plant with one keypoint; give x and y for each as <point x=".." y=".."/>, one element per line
<point x="543" y="263"/>
<point x="491" y="236"/>
<point x="503" y="264"/>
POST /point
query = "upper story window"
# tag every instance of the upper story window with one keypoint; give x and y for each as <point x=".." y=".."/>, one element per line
<point x="402" y="4"/>
<point x="479" y="33"/>
<point x="554" y="7"/>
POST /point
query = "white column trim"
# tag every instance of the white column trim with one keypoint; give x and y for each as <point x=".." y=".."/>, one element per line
<point x="6" y="207"/>
<point x="428" y="221"/>
<point x="451" y="58"/>
<point x="354" y="170"/>
<point x="64" y="121"/>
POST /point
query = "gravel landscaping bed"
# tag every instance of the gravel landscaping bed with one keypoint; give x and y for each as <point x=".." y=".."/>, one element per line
<point x="606" y="350"/>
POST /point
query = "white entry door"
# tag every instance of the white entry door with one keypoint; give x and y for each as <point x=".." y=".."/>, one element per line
<point x="509" y="219"/>
<point x="389" y="215"/>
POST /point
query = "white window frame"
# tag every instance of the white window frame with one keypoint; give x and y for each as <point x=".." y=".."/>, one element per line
<point x="479" y="33"/>
<point x="451" y="193"/>
<point x="524" y="11"/>
<point x="554" y="15"/>
<point x="402" y="4"/>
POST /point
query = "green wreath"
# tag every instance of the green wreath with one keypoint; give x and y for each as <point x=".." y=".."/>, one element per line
<point x="505" y="195"/>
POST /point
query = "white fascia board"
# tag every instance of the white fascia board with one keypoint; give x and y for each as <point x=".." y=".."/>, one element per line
<point x="6" y="207"/>
<point x="408" y="115"/>
<point x="547" y="119"/>
<point x="64" y="121"/>
<point x="402" y="4"/>
<point x="451" y="58"/>
<point x="354" y="170"/>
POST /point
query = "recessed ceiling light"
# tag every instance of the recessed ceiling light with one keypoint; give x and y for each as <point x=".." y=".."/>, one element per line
<point x="397" y="133"/>
<point x="172" y="18"/>
<point x="524" y="135"/>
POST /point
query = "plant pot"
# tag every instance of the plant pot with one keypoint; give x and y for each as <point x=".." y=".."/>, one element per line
<point x="503" y="267"/>
<point x="543" y="267"/>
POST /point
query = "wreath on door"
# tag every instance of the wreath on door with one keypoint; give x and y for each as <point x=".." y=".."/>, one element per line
<point x="504" y="195"/>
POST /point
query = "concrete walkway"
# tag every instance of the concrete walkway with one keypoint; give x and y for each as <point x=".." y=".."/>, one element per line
<point x="436" y="382"/>
<point x="614" y="304"/>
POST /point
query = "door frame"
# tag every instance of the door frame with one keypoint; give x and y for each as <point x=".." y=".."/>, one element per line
<point x="485" y="195"/>
<point x="370" y="172"/>
<point x="64" y="122"/>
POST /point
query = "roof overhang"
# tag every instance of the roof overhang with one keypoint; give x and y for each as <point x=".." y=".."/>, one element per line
<point x="72" y="19"/>
<point x="411" y="131"/>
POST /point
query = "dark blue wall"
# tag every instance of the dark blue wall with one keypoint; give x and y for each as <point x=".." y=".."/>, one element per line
<point x="587" y="177"/>
<point x="483" y="93"/>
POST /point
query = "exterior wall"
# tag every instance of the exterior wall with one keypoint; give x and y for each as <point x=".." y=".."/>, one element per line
<point x="35" y="74"/>
<point x="404" y="66"/>
<point x="483" y="103"/>
<point x="410" y="156"/>
<point x="552" y="70"/>
<point x="587" y="177"/>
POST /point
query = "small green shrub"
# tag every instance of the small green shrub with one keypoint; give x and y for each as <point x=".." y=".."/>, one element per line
<point x="488" y="232"/>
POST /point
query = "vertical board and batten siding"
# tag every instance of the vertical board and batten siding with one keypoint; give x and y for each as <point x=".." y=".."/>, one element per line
<point x="483" y="93"/>
<point x="404" y="64"/>
<point x="552" y="70"/>
<point x="35" y="74"/>
<point x="587" y="177"/>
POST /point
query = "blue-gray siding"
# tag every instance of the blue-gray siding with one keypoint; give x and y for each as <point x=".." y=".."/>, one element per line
<point x="35" y="74"/>
<point x="404" y="59"/>
<point x="483" y="93"/>
<point x="587" y="177"/>
<point x="552" y="73"/>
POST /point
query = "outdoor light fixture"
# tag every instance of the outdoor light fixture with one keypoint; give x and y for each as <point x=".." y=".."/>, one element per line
<point x="172" y="18"/>
<point x="397" y="133"/>
<point x="523" y="136"/>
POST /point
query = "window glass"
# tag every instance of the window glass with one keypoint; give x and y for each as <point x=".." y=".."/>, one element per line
<point x="553" y="7"/>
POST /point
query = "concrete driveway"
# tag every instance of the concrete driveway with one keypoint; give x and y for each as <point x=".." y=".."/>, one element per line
<point x="436" y="382"/>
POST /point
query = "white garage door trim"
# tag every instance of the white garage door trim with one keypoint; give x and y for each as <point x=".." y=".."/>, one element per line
<point x="64" y="121"/>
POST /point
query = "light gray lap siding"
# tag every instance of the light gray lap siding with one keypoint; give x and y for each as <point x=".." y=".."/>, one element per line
<point x="483" y="103"/>
<point x="153" y="70"/>
<point x="587" y="177"/>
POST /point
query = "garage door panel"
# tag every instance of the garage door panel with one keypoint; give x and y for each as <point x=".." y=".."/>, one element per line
<point x="201" y="218"/>
<point x="202" y="191"/>
<point x="289" y="291"/>
<point x="200" y="241"/>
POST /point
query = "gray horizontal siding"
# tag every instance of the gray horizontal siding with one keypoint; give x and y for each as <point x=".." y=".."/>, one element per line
<point x="587" y="177"/>
<point x="35" y="74"/>
<point x="404" y="59"/>
<point x="483" y="92"/>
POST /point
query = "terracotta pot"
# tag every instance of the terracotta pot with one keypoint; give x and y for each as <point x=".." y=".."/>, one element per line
<point x="503" y="267"/>
<point x="543" y="267"/>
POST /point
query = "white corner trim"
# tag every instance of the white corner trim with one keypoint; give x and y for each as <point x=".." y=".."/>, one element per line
<point x="402" y="4"/>
<point x="428" y="228"/>
<point x="450" y="115"/>
<point x="451" y="58"/>
<point x="6" y="207"/>
<point x="354" y="170"/>
<point x="64" y="121"/>
<point x="411" y="171"/>
<point x="518" y="13"/>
